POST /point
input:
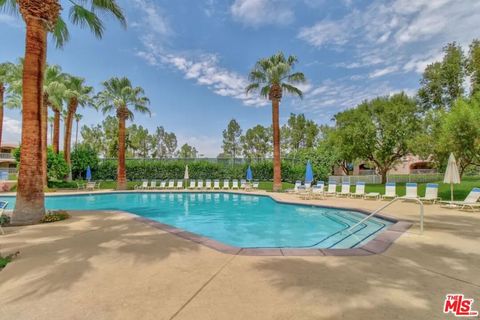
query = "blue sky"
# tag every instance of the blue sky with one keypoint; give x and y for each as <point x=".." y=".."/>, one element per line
<point x="192" y="57"/>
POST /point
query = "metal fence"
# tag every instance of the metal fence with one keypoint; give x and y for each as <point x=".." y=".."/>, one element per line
<point x="398" y="178"/>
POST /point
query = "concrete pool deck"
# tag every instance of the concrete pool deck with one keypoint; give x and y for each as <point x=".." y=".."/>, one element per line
<point x="108" y="265"/>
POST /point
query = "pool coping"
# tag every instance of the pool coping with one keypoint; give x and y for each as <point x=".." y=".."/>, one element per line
<point x="379" y="244"/>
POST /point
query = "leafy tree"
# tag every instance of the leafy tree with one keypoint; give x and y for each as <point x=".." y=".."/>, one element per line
<point x="139" y="141"/>
<point x="442" y="82"/>
<point x="473" y="66"/>
<point x="379" y="130"/>
<point x="300" y="132"/>
<point x="460" y="133"/>
<point x="187" y="152"/>
<point x="120" y="96"/>
<point x="82" y="157"/>
<point x="164" y="144"/>
<point x="257" y="142"/>
<point x="57" y="167"/>
<point x="94" y="137"/>
<point x="272" y="77"/>
<point x="41" y="18"/>
<point x="231" y="139"/>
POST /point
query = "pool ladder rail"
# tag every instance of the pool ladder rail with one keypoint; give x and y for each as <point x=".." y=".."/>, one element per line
<point x="389" y="204"/>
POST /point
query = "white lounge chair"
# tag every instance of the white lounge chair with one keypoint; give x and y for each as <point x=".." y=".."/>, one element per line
<point x="226" y="184"/>
<point x="318" y="190"/>
<point x="153" y="185"/>
<point x="163" y="184"/>
<point x="199" y="184"/>
<point x="94" y="185"/>
<point x="332" y="189"/>
<point x="411" y="192"/>
<point x="255" y="185"/>
<point x="192" y="184"/>
<point x="208" y="184"/>
<point x="390" y="191"/>
<point x="234" y="184"/>
<point x="359" y="190"/>
<point x="345" y="191"/>
<point x="216" y="184"/>
<point x="143" y="186"/>
<point x="171" y="184"/>
<point x="243" y="184"/>
<point x="431" y="193"/>
<point x="3" y="205"/>
<point x="471" y="201"/>
<point x="296" y="187"/>
<point x="180" y="184"/>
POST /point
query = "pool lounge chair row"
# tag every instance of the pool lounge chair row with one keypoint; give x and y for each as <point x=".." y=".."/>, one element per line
<point x="198" y="185"/>
<point x="319" y="191"/>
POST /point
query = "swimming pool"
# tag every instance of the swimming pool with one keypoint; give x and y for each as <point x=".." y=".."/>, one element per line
<point x="246" y="221"/>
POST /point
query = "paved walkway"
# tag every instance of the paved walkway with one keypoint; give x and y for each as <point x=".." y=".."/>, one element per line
<point x="105" y="265"/>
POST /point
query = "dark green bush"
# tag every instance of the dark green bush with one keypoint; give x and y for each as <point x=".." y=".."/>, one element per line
<point x="82" y="157"/>
<point x="158" y="169"/>
<point x="62" y="184"/>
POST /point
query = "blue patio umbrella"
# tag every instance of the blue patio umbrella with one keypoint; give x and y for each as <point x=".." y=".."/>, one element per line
<point x="249" y="174"/>
<point x="88" y="176"/>
<point x="309" y="172"/>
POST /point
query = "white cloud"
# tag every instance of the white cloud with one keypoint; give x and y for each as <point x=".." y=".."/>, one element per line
<point x="262" y="12"/>
<point x="12" y="130"/>
<point x="391" y="33"/>
<point x="381" y="72"/>
<point x="10" y="20"/>
<point x="153" y="18"/>
<point x="332" y="96"/>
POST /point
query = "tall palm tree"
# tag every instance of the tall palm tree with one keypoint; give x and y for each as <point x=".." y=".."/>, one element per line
<point x="42" y="17"/>
<point x="77" y="94"/>
<point x="77" y="117"/>
<point x="53" y="93"/>
<point x="272" y="76"/>
<point x="118" y="95"/>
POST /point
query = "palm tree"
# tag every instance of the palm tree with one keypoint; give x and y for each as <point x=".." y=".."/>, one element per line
<point x="272" y="76"/>
<point x="53" y="93"/>
<point x="42" y="17"/>
<point x="118" y="95"/>
<point x="77" y="117"/>
<point x="77" y="94"/>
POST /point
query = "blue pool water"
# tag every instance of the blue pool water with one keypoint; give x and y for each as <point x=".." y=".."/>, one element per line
<point x="247" y="221"/>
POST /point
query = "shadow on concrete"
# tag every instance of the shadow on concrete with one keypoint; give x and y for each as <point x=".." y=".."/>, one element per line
<point x="58" y="255"/>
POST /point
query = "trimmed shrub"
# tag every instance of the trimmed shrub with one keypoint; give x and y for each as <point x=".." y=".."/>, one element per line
<point x="175" y="169"/>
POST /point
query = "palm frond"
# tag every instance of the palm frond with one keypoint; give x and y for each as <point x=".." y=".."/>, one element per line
<point x="60" y="33"/>
<point x="252" y="87"/>
<point x="83" y="17"/>
<point x="265" y="91"/>
<point x="110" y="6"/>
<point x="292" y="90"/>
<point x="9" y="6"/>
<point x="297" y="77"/>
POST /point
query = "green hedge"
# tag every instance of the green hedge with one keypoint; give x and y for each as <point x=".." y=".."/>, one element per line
<point x="157" y="169"/>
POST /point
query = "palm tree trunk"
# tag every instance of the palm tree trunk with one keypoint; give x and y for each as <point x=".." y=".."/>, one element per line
<point x="44" y="135"/>
<point x="277" y="165"/>
<point x="76" y="134"/>
<point x="56" y="130"/>
<point x="72" y="108"/>
<point x="30" y="205"/>
<point x="2" y="92"/>
<point x="121" y="171"/>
